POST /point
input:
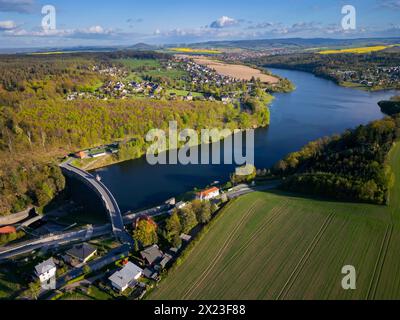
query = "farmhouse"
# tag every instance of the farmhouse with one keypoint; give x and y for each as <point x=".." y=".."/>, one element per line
<point x="46" y="270"/>
<point x="208" y="194"/>
<point x="82" y="252"/>
<point x="126" y="277"/>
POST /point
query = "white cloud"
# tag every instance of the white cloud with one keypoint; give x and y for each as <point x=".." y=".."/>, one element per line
<point x="94" y="32"/>
<point x="224" y="22"/>
<point x="7" y="25"/>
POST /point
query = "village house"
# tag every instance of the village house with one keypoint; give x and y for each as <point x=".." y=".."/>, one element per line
<point x="208" y="194"/>
<point x="126" y="277"/>
<point x="82" y="252"/>
<point x="46" y="270"/>
<point x="152" y="255"/>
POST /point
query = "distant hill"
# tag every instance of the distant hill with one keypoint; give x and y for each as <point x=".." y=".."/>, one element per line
<point x="143" y="46"/>
<point x="299" y="43"/>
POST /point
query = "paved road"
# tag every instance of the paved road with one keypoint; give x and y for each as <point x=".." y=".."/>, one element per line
<point x="108" y="200"/>
<point x="53" y="241"/>
<point x="245" y="189"/>
<point x="119" y="221"/>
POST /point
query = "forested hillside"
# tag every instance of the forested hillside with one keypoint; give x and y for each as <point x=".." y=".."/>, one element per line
<point x="349" y="167"/>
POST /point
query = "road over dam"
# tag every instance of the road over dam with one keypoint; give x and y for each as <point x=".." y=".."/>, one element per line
<point x="107" y="198"/>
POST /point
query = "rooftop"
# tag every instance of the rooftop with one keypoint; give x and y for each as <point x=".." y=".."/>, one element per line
<point x="45" y="266"/>
<point x="82" y="251"/>
<point x="152" y="254"/>
<point x="208" y="191"/>
<point x="126" y="275"/>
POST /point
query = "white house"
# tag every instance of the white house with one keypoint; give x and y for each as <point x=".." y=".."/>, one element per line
<point x="208" y="194"/>
<point x="46" y="270"/>
<point x="122" y="279"/>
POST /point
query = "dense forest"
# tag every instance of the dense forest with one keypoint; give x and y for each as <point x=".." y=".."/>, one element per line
<point x="349" y="167"/>
<point x="38" y="126"/>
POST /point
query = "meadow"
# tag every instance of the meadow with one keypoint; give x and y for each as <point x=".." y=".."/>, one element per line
<point x="281" y="246"/>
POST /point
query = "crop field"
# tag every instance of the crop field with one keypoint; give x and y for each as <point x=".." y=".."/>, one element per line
<point x="279" y="246"/>
<point x="237" y="71"/>
<point x="360" y="50"/>
<point x="196" y="51"/>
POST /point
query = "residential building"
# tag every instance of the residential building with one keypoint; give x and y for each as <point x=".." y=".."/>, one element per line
<point x="152" y="255"/>
<point x="46" y="270"/>
<point x="82" y="252"/>
<point x="127" y="276"/>
<point x="208" y="194"/>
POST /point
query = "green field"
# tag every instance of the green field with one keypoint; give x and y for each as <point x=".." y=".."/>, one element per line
<point x="278" y="246"/>
<point x="184" y="93"/>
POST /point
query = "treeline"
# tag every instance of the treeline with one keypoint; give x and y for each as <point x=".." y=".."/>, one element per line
<point x="349" y="167"/>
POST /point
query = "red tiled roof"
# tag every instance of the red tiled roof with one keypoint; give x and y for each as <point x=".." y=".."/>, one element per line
<point x="208" y="191"/>
<point x="81" y="154"/>
<point x="7" y="230"/>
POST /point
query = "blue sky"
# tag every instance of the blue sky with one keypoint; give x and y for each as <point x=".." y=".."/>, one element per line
<point x="123" y="22"/>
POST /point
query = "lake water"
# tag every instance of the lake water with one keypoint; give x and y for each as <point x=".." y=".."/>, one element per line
<point x="317" y="108"/>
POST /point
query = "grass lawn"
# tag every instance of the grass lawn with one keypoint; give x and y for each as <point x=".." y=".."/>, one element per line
<point x="279" y="246"/>
<point x="184" y="93"/>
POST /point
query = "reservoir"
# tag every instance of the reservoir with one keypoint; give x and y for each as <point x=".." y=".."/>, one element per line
<point x="317" y="108"/>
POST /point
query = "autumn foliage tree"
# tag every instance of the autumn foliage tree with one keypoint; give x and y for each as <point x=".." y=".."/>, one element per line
<point x="145" y="232"/>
